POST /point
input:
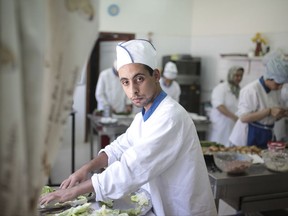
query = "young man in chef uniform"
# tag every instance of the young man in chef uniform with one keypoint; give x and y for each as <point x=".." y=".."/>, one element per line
<point x="260" y="104"/>
<point x="160" y="151"/>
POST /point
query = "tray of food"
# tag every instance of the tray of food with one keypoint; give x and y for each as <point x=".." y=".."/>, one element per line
<point x="137" y="203"/>
<point x="53" y="208"/>
<point x="209" y="148"/>
<point x="134" y="204"/>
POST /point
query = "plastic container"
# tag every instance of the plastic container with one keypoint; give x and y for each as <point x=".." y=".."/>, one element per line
<point x="276" y="145"/>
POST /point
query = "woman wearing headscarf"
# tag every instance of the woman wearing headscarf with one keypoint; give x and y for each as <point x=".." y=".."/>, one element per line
<point x="261" y="105"/>
<point x="224" y="101"/>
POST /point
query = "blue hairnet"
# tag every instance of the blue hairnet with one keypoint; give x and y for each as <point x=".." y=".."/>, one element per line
<point x="276" y="67"/>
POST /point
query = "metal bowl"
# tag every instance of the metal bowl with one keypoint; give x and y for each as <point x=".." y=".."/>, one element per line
<point x="275" y="160"/>
<point x="232" y="162"/>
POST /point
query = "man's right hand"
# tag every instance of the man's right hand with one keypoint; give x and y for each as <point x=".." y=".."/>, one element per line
<point x="74" y="179"/>
<point x="82" y="174"/>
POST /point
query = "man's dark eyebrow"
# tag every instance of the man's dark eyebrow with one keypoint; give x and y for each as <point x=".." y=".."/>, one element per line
<point x="138" y="74"/>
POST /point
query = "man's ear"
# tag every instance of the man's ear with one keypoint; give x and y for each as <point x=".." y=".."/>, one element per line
<point x="157" y="74"/>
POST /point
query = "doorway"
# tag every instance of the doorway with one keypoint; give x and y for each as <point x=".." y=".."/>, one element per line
<point x="102" y="56"/>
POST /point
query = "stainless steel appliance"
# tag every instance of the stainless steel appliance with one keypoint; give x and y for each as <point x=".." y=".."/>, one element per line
<point x="189" y="71"/>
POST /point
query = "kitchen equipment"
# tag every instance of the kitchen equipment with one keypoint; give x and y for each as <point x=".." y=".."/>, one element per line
<point x="275" y="160"/>
<point x="189" y="75"/>
<point x="232" y="162"/>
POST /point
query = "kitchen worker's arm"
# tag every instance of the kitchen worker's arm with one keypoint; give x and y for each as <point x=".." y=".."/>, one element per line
<point x="256" y="116"/>
<point x="227" y="113"/>
<point x="63" y="195"/>
<point x="81" y="174"/>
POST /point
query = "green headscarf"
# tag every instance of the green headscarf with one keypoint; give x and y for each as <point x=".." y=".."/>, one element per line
<point x="235" y="88"/>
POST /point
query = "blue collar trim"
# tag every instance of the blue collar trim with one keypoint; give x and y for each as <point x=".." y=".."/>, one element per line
<point x="155" y="104"/>
<point x="262" y="82"/>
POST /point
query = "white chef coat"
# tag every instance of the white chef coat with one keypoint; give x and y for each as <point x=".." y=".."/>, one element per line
<point x="221" y="126"/>
<point x="173" y="90"/>
<point x="110" y="92"/>
<point x="162" y="154"/>
<point x="280" y="130"/>
<point x="252" y="98"/>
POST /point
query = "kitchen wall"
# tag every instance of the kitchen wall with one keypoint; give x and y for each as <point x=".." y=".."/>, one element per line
<point x="226" y="26"/>
<point x="169" y="22"/>
<point x="203" y="28"/>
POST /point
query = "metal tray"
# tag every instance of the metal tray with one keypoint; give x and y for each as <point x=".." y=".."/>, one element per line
<point x="125" y="203"/>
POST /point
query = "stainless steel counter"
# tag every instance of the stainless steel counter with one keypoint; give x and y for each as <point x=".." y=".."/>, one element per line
<point x="123" y="122"/>
<point x="110" y="130"/>
<point x="257" y="190"/>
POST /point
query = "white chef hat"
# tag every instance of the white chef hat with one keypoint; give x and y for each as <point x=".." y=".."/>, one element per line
<point x="170" y="70"/>
<point x="136" y="51"/>
<point x="276" y="67"/>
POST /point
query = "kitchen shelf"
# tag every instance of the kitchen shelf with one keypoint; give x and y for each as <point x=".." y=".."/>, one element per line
<point x="242" y="57"/>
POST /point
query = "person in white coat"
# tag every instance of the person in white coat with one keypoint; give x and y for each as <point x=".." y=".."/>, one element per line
<point x="224" y="100"/>
<point x="109" y="92"/>
<point x="260" y="104"/>
<point x="281" y="126"/>
<point x="160" y="151"/>
<point x="168" y="82"/>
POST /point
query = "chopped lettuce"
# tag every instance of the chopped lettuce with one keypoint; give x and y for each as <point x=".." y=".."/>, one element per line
<point x="106" y="211"/>
<point x="47" y="189"/>
<point x="132" y="212"/>
<point x="81" y="210"/>
<point x="109" y="203"/>
<point x="140" y="198"/>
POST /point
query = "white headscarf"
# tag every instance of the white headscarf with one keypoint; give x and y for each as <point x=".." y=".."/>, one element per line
<point x="276" y="67"/>
<point x="136" y="51"/>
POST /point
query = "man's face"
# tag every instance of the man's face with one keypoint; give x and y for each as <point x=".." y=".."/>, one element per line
<point x="272" y="85"/>
<point x="140" y="87"/>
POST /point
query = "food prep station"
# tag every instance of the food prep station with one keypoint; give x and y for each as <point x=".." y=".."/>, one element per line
<point x="136" y="203"/>
<point x="258" y="189"/>
<point x="113" y="129"/>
